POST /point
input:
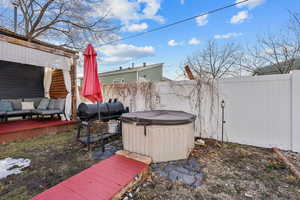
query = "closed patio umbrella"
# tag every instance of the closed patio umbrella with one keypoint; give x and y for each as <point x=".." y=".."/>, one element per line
<point x="91" y="88"/>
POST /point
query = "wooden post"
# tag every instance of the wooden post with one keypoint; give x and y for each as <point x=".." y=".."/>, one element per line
<point x="74" y="87"/>
<point x="287" y="162"/>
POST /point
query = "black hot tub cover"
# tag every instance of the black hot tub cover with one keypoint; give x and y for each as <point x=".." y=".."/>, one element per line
<point x="158" y="117"/>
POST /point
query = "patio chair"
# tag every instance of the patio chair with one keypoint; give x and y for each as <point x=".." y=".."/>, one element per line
<point x="55" y="107"/>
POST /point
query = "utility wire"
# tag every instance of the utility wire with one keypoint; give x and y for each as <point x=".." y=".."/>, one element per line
<point x="175" y="23"/>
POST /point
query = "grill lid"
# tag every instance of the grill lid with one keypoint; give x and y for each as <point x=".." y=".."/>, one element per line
<point x="158" y="117"/>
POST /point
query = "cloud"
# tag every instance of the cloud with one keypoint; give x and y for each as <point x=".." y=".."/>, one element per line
<point x="121" y="53"/>
<point x="194" y="41"/>
<point x="240" y="17"/>
<point x="151" y="9"/>
<point x="250" y="3"/>
<point x="6" y="3"/>
<point x="227" y="36"/>
<point x="173" y="43"/>
<point x="129" y="11"/>
<point x="202" y="20"/>
<point x="182" y="2"/>
<point x="136" y="27"/>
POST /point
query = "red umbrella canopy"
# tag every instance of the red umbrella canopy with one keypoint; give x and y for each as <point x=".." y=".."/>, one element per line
<point x="91" y="88"/>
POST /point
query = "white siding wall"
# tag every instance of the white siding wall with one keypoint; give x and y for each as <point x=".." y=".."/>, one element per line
<point x="20" y="54"/>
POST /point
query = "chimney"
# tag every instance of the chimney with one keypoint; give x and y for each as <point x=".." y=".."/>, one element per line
<point x="144" y="64"/>
<point x="132" y="65"/>
<point x="120" y="67"/>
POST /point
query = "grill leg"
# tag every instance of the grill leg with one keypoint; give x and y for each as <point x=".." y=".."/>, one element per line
<point x="78" y="131"/>
<point x="120" y="131"/>
<point x="102" y="143"/>
<point x="88" y="139"/>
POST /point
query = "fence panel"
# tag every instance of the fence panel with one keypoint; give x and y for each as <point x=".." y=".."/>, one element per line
<point x="261" y="111"/>
<point x="258" y="110"/>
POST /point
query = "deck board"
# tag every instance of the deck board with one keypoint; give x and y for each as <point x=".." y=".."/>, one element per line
<point x="18" y="129"/>
<point x="102" y="181"/>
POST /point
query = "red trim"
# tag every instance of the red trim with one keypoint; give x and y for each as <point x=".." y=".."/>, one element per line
<point x="28" y="128"/>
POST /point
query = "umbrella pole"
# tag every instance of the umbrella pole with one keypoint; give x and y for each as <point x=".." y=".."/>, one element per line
<point x="98" y="109"/>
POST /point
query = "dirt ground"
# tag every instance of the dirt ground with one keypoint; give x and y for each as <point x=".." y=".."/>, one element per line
<point x="231" y="172"/>
<point x="54" y="158"/>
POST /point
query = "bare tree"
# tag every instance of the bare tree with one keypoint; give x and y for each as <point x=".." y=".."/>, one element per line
<point x="275" y="53"/>
<point x="294" y="23"/>
<point x="215" y="60"/>
<point x="272" y="54"/>
<point x="65" y="22"/>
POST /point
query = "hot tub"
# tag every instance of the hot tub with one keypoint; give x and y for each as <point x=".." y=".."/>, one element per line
<point x="162" y="135"/>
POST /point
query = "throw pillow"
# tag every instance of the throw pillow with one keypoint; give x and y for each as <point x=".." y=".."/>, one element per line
<point x="27" y="105"/>
<point x="52" y="103"/>
<point x="60" y="104"/>
<point x="5" y="106"/>
<point x="16" y="103"/>
<point x="36" y="101"/>
<point x="43" y="104"/>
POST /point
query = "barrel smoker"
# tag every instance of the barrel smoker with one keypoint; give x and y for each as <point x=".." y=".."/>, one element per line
<point x="100" y="121"/>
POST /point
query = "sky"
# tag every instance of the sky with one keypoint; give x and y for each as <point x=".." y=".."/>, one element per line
<point x="241" y="24"/>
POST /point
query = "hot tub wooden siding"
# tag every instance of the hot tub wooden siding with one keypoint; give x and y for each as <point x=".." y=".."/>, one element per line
<point x="162" y="142"/>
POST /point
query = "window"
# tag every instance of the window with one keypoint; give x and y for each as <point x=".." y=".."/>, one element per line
<point x="119" y="80"/>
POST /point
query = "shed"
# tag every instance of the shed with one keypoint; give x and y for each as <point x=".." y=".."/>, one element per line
<point x="30" y="69"/>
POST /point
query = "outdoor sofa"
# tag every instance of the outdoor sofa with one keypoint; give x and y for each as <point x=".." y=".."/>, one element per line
<point x="39" y="107"/>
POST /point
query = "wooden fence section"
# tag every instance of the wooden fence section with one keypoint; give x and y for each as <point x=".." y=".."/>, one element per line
<point x="58" y="88"/>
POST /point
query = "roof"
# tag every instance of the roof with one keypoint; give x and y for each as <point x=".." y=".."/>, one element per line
<point x="273" y="70"/>
<point x="6" y="32"/>
<point x="132" y="69"/>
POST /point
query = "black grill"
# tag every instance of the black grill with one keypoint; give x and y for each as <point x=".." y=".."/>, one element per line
<point x="103" y="113"/>
<point x="106" y="111"/>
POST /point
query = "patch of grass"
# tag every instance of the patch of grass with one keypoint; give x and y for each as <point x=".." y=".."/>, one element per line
<point x="54" y="158"/>
<point x="276" y="166"/>
<point x="18" y="148"/>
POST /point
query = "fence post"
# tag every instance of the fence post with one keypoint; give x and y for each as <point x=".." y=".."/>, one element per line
<point x="295" y="110"/>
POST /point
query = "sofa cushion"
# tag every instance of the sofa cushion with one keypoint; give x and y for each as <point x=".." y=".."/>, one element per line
<point x="60" y="104"/>
<point x="36" y="101"/>
<point x="47" y="112"/>
<point x="43" y="104"/>
<point x="5" y="106"/>
<point x="57" y="104"/>
<point x="27" y="106"/>
<point x="52" y="103"/>
<point x="18" y="112"/>
<point x="16" y="103"/>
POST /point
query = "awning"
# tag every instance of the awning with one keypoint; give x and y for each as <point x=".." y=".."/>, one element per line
<point x="20" y="54"/>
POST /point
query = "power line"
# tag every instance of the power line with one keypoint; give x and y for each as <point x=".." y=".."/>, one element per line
<point x="175" y="23"/>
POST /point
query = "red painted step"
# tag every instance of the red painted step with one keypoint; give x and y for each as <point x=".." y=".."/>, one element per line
<point x="99" y="182"/>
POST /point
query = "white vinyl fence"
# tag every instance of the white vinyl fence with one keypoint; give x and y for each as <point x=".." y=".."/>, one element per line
<point x="261" y="111"/>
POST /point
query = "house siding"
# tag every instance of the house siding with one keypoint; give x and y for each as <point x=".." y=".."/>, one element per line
<point x="109" y="78"/>
<point x="152" y="74"/>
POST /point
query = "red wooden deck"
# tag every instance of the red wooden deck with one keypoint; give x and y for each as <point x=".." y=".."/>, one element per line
<point x="28" y="128"/>
<point x="100" y="182"/>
